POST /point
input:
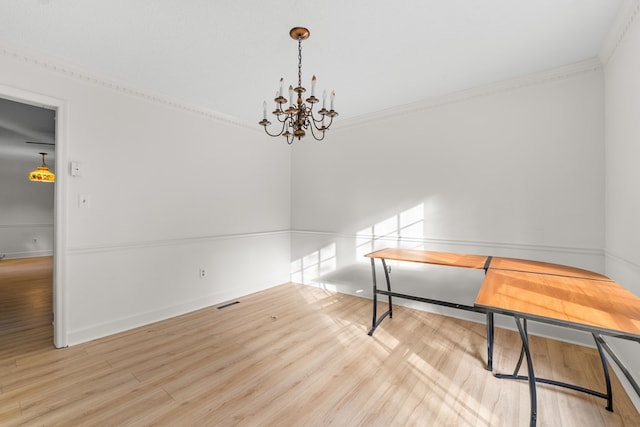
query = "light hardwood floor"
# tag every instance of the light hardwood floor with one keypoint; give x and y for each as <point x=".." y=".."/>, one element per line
<point x="291" y="356"/>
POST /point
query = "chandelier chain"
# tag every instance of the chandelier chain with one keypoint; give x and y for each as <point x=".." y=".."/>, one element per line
<point x="299" y="62"/>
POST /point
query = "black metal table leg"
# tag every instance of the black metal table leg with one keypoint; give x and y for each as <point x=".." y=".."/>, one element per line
<point x="605" y="346"/>
<point x="489" y="341"/>
<point x="375" y="297"/>
<point x="524" y="351"/>
<point x="377" y="320"/>
<point x="375" y="293"/>
<point x="386" y="275"/>
<point x="489" y="325"/>
<point x="605" y="369"/>
<point x="532" y="378"/>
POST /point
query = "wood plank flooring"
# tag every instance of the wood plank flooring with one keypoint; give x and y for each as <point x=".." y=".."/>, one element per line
<point x="289" y="356"/>
<point x="25" y="302"/>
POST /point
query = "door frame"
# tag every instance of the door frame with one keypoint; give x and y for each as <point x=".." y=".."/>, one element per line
<point x="59" y="205"/>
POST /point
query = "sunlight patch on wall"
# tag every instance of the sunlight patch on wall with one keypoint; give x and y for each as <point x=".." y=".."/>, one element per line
<point x="403" y="230"/>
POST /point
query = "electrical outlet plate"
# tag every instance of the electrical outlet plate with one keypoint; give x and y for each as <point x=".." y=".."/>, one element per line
<point x="203" y="273"/>
<point x="84" y="201"/>
<point x="75" y="168"/>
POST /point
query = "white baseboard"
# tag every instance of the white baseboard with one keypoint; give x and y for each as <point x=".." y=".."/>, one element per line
<point x="30" y="254"/>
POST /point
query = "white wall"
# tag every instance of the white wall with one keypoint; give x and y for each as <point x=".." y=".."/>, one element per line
<point x="172" y="189"/>
<point x="26" y="211"/>
<point x="514" y="169"/>
<point x="622" y="171"/>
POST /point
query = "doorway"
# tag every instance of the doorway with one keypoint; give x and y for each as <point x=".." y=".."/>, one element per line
<point x="31" y="214"/>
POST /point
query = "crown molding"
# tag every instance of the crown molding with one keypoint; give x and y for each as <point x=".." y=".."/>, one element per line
<point x="57" y="66"/>
<point x="548" y="76"/>
<point x="625" y="20"/>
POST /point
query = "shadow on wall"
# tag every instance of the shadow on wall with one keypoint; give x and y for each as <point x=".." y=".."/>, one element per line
<point x="314" y="265"/>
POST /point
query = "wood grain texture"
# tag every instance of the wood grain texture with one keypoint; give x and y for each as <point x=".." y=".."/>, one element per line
<point x="295" y="355"/>
<point x="530" y="266"/>
<point x="431" y="257"/>
<point x="594" y="303"/>
<point x="25" y="302"/>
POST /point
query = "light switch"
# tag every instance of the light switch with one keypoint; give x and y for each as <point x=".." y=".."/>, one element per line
<point x="75" y="168"/>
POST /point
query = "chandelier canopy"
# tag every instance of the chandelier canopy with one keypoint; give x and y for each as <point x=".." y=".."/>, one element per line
<point x="298" y="117"/>
<point x="42" y="173"/>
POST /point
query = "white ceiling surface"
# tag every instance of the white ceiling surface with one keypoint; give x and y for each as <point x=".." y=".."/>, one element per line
<point x="25" y="131"/>
<point x="227" y="56"/>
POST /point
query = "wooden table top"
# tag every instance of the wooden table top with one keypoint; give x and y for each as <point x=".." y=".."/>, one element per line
<point x="602" y="304"/>
<point x="540" y="290"/>
<point x="544" y="268"/>
<point x="431" y="257"/>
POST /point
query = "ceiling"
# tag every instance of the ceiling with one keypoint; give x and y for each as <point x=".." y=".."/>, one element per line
<point x="227" y="56"/>
<point x="25" y="131"/>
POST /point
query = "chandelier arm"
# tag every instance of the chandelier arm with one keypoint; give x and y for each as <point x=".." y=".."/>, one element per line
<point x="310" y="113"/>
<point x="313" y="132"/>
<point x="320" y="121"/>
<point x="281" y="130"/>
<point x="330" y="122"/>
<point x="322" y="117"/>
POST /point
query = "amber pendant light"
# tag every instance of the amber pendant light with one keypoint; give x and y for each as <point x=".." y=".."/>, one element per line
<point x="42" y="173"/>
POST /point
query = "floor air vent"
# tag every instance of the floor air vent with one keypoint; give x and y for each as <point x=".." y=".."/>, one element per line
<point x="228" y="305"/>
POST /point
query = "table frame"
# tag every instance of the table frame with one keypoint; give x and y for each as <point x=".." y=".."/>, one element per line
<point x="499" y="298"/>
<point x="601" y="345"/>
<point x="375" y="322"/>
<point x="521" y="323"/>
<point x="520" y="318"/>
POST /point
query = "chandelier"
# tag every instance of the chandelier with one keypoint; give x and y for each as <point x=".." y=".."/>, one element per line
<point x="42" y="173"/>
<point x="298" y="117"/>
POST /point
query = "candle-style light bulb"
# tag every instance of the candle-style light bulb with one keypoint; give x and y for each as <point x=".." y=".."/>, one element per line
<point x="291" y="94"/>
<point x="313" y="85"/>
<point x="333" y="97"/>
<point x="324" y="98"/>
<point x="264" y="110"/>
<point x="281" y="86"/>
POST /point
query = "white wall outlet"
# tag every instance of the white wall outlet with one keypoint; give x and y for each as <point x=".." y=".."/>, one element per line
<point x="84" y="201"/>
<point x="203" y="273"/>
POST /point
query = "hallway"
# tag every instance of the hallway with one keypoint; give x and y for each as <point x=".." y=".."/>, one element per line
<point x="26" y="311"/>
